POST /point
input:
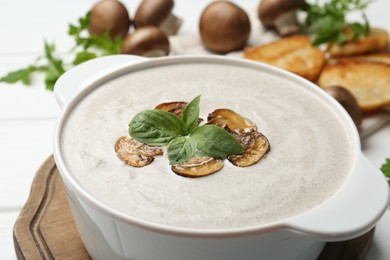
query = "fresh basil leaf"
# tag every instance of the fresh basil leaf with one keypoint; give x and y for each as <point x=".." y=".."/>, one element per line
<point x="191" y="114"/>
<point x="215" y="142"/>
<point x="156" y="127"/>
<point x="180" y="150"/>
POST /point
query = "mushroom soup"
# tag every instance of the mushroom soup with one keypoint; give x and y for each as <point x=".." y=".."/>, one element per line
<point x="309" y="161"/>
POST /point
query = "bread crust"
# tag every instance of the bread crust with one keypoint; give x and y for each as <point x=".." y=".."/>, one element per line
<point x="377" y="41"/>
<point x="368" y="81"/>
<point x="295" y="54"/>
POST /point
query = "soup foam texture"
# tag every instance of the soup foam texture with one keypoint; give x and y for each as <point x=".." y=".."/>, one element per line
<point x="308" y="163"/>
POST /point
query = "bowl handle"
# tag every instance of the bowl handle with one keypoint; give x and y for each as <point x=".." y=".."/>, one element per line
<point x="354" y="210"/>
<point x="72" y="81"/>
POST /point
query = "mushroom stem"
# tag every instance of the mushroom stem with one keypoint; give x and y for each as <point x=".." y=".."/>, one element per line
<point x="286" y="24"/>
<point x="171" y="24"/>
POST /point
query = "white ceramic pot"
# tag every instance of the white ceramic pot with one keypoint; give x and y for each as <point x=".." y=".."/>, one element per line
<point x="110" y="234"/>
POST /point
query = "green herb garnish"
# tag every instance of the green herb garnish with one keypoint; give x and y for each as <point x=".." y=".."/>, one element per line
<point x="183" y="137"/>
<point x="86" y="47"/>
<point x="90" y="46"/>
<point x="386" y="170"/>
<point x="52" y="67"/>
<point x="329" y="20"/>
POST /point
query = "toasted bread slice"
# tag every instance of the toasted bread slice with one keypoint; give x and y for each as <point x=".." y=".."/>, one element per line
<point x="368" y="81"/>
<point x="276" y="49"/>
<point x="295" y="54"/>
<point x="376" y="41"/>
<point x="383" y="57"/>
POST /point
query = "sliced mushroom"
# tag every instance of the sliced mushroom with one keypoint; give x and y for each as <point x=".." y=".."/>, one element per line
<point x="229" y="119"/>
<point x="147" y="41"/>
<point x="176" y="107"/>
<point x="109" y="16"/>
<point x="256" y="146"/>
<point x="198" y="167"/>
<point x="135" y="153"/>
<point x="280" y="14"/>
<point x="158" y="13"/>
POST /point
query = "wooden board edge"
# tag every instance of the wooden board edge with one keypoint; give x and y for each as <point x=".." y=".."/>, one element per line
<point x="25" y="243"/>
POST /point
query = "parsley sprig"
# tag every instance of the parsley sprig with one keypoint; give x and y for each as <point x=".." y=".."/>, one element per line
<point x="91" y="46"/>
<point x="53" y="66"/>
<point x="183" y="137"/>
<point x="386" y="170"/>
<point x="329" y="22"/>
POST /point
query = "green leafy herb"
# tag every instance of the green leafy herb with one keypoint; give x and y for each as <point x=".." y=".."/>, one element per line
<point x="55" y="67"/>
<point x="23" y="75"/>
<point x="156" y="127"/>
<point x="83" y="57"/>
<point x="183" y="137"/>
<point x="191" y="114"/>
<point x="386" y="170"/>
<point x="330" y="23"/>
<point x="181" y="149"/>
<point x="98" y="45"/>
<point x="215" y="142"/>
<point x="86" y="47"/>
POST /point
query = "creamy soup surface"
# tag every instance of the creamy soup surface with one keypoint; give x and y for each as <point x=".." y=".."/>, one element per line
<point x="310" y="157"/>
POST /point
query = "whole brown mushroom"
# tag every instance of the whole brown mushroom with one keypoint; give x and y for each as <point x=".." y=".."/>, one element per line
<point x="224" y="27"/>
<point x="157" y="13"/>
<point x="147" y="41"/>
<point x="348" y="101"/>
<point x="109" y="16"/>
<point x="280" y="14"/>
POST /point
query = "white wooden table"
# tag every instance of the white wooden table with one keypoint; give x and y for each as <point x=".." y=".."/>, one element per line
<point x="28" y="114"/>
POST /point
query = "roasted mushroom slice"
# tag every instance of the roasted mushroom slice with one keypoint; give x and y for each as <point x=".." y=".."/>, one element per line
<point x="135" y="153"/>
<point x="198" y="167"/>
<point x="136" y="147"/>
<point x="176" y="107"/>
<point x="227" y="118"/>
<point x="256" y="146"/>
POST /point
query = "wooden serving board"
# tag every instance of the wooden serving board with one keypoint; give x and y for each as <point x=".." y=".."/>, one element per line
<point x="45" y="228"/>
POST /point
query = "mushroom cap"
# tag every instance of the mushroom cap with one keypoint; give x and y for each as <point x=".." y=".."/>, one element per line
<point x="270" y="10"/>
<point x="152" y="12"/>
<point x="146" y="41"/>
<point x="224" y="27"/>
<point x="109" y="15"/>
<point x="348" y="101"/>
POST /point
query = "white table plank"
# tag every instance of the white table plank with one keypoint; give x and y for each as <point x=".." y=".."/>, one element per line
<point x="18" y="101"/>
<point x="7" y="221"/>
<point x="25" y="145"/>
<point x="29" y="22"/>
